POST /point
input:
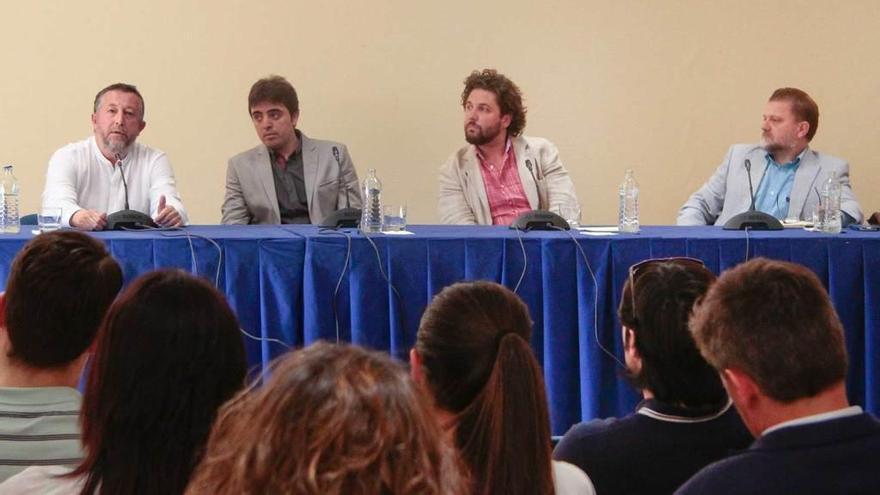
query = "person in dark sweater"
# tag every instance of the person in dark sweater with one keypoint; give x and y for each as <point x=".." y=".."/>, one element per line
<point x="686" y="420"/>
<point x="770" y="330"/>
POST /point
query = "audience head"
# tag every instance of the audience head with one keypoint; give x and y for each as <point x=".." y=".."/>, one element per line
<point x="168" y="354"/>
<point x="60" y="285"/>
<point x="657" y="301"/>
<point x="472" y="353"/>
<point x="507" y="103"/>
<point x="332" y="419"/>
<point x="773" y="322"/>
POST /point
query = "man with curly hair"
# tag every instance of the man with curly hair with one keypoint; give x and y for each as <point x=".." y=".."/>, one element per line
<point x="500" y="174"/>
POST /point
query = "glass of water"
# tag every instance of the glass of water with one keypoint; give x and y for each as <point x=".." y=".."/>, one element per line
<point x="395" y="218"/>
<point x="571" y="214"/>
<point x="49" y="219"/>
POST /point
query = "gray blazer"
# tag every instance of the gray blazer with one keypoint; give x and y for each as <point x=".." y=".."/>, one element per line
<point x="727" y="191"/>
<point x="250" y="188"/>
<point x="463" y="200"/>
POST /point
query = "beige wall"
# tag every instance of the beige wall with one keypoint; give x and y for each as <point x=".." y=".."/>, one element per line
<point x="663" y="87"/>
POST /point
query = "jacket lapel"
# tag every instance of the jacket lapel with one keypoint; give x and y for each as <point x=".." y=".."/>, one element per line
<point x="529" y="183"/>
<point x="310" y="166"/>
<point x="804" y="180"/>
<point x="473" y="179"/>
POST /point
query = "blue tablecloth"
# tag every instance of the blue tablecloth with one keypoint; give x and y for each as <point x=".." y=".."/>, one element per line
<point x="292" y="283"/>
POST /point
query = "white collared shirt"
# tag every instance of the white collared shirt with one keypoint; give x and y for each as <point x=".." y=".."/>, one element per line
<point x="79" y="176"/>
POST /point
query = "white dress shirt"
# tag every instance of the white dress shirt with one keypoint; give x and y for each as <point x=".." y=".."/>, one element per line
<point x="80" y="177"/>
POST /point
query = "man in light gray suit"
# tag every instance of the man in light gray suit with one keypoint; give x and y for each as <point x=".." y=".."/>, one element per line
<point x="788" y="176"/>
<point x="290" y="178"/>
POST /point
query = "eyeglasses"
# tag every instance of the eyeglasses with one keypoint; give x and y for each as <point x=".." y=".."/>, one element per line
<point x="634" y="272"/>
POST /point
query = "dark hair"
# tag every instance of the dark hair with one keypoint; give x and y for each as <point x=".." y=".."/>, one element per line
<point x="473" y="343"/>
<point x="672" y="367"/>
<point x="274" y="89"/>
<point x="332" y="419"/>
<point x="506" y="92"/>
<point x="168" y="355"/>
<point x="125" y="88"/>
<point x="802" y="106"/>
<point x="60" y="285"/>
<point x="774" y="321"/>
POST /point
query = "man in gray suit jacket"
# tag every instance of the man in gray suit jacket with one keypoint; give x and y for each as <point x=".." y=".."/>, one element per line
<point x="787" y="175"/>
<point x="290" y="178"/>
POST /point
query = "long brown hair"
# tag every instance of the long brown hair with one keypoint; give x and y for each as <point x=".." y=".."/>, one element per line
<point x="168" y="354"/>
<point x="332" y="419"/>
<point x="473" y="343"/>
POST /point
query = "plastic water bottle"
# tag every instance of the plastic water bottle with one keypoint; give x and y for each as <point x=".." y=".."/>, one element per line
<point x="9" y="221"/>
<point x="628" y="206"/>
<point x="372" y="218"/>
<point x="831" y="198"/>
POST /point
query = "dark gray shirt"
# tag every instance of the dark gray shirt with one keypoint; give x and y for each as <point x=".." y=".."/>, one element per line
<point x="290" y="187"/>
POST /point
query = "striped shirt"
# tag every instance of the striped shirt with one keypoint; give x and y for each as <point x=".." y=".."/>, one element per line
<point x="504" y="189"/>
<point x="39" y="426"/>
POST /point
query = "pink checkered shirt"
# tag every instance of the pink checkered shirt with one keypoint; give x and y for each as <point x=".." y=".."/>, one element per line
<point x="504" y="189"/>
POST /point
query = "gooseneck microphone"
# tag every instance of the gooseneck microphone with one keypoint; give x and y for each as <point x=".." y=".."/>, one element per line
<point x="347" y="217"/>
<point x="122" y="173"/>
<point x="751" y="190"/>
<point x="341" y="181"/>
<point x="752" y="219"/>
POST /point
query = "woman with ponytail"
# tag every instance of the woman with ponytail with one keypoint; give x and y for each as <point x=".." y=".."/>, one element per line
<point x="472" y="354"/>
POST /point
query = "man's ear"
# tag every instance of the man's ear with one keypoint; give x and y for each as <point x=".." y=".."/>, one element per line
<point x="803" y="129"/>
<point x="415" y="366"/>
<point x="740" y="386"/>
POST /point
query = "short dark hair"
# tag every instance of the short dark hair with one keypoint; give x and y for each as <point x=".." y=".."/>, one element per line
<point x="774" y="321"/>
<point x="125" y="88"/>
<point x="672" y="367"/>
<point x="168" y="354"/>
<point x="334" y="418"/>
<point x="506" y="92"/>
<point x="473" y="342"/>
<point x="803" y="107"/>
<point x="60" y="285"/>
<point x="274" y="89"/>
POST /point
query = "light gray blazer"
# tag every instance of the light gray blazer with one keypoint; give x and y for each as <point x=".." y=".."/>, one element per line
<point x="727" y="192"/>
<point x="463" y="200"/>
<point x="250" y="188"/>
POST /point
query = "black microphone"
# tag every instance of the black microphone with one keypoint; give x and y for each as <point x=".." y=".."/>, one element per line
<point x="531" y="172"/>
<point x="124" y="185"/>
<point x="341" y="183"/>
<point x="751" y="190"/>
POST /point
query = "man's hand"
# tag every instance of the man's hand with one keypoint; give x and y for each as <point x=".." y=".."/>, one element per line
<point x="88" y="220"/>
<point x="168" y="216"/>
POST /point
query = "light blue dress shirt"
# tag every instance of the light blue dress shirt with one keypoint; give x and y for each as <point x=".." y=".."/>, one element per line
<point x="774" y="191"/>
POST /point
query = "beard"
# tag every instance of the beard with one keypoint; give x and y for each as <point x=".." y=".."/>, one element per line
<point x="481" y="136"/>
<point x="117" y="145"/>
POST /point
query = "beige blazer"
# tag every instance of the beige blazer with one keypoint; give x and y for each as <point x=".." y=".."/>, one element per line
<point x="463" y="200"/>
<point x="250" y="188"/>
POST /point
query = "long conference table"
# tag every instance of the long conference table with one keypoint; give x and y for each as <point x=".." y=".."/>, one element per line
<point x="293" y="285"/>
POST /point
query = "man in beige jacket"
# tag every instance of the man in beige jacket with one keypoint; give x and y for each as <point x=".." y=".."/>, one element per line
<point x="500" y="174"/>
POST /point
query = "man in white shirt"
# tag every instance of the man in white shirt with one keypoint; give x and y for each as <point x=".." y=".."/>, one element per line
<point x="110" y="171"/>
<point x="770" y="330"/>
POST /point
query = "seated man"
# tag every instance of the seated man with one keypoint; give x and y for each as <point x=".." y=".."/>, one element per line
<point x="686" y="420"/>
<point x="501" y="173"/>
<point x="290" y="178"/>
<point x="787" y="175"/>
<point x="60" y="285"/>
<point x="110" y="171"/>
<point x="770" y="330"/>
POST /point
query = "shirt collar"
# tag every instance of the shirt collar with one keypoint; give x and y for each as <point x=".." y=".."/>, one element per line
<point x="794" y="162"/>
<point x="507" y="146"/>
<point x="297" y="151"/>
<point x="816" y="418"/>
<point x="677" y="414"/>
